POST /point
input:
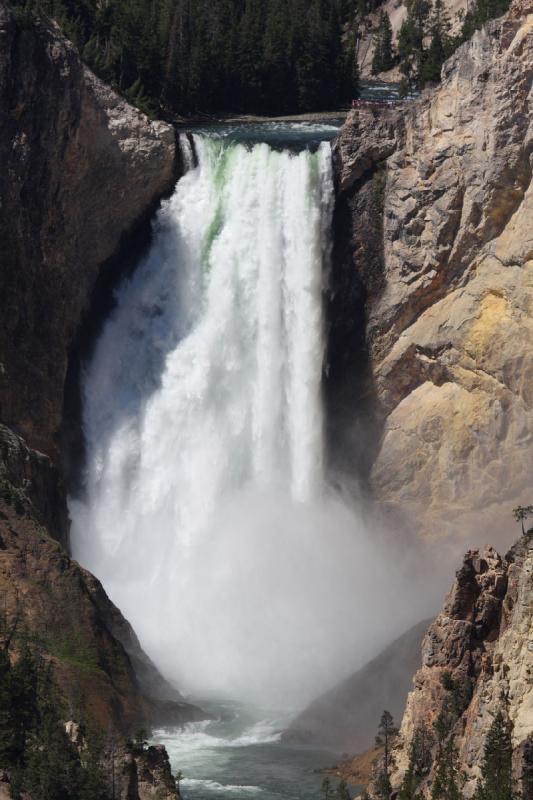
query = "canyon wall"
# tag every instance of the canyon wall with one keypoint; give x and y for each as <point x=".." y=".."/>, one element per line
<point x="346" y="717"/>
<point x="448" y="292"/>
<point x="82" y="172"/>
<point x="477" y="661"/>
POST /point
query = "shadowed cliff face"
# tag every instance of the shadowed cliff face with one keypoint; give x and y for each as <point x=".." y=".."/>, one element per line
<point x="63" y="610"/>
<point x="347" y="716"/>
<point x="449" y="316"/>
<point x="80" y="169"/>
<point x="483" y="641"/>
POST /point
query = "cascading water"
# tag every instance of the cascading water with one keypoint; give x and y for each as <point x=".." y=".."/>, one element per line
<point x="205" y="511"/>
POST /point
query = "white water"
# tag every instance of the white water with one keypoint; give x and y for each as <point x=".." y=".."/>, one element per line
<point x="235" y="756"/>
<point x="206" y="513"/>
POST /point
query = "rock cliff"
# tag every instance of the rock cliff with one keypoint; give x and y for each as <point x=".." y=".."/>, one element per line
<point x="477" y="660"/>
<point x="133" y="771"/>
<point x="80" y="170"/>
<point x="64" y="611"/>
<point x="81" y="174"/>
<point x="447" y="292"/>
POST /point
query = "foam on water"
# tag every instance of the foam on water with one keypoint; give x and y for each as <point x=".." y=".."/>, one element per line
<point x="239" y="753"/>
<point x="214" y="786"/>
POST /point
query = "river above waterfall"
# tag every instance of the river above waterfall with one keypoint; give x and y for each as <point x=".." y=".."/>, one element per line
<point x="238" y="755"/>
<point x="294" y="135"/>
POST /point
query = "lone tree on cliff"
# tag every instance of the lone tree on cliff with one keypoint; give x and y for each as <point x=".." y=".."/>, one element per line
<point x="496" y="782"/>
<point x="520" y="513"/>
<point x="386" y="733"/>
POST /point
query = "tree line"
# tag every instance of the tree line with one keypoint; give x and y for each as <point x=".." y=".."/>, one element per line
<point x="187" y="57"/>
<point x="190" y="56"/>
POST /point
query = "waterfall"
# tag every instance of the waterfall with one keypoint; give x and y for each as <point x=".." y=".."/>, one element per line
<point x="205" y="512"/>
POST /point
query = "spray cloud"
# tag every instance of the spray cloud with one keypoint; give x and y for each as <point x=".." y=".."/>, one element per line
<point x="206" y="513"/>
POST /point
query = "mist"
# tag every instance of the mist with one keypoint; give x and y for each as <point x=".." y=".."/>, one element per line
<point x="206" y="511"/>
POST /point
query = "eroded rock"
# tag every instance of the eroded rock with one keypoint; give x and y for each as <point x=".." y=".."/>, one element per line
<point x="450" y="320"/>
<point x="477" y="659"/>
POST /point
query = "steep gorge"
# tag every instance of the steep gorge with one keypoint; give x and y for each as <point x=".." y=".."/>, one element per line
<point x="430" y="364"/>
<point x="82" y="170"/>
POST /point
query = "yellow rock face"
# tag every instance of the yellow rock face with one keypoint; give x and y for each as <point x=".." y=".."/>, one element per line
<point x="451" y="327"/>
<point x="457" y="451"/>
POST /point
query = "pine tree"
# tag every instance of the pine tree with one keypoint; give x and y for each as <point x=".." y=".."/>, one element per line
<point x="496" y="782"/>
<point x="386" y="42"/>
<point x="448" y="778"/>
<point x="527" y="769"/>
<point x="326" y="788"/>
<point x="251" y="28"/>
<point x="24" y="682"/>
<point x="277" y="55"/>
<point x="6" y="711"/>
<point x="440" y="46"/>
<point x="348" y="69"/>
<point x="419" y="764"/>
<point x="386" y="732"/>
<point x="383" y="58"/>
<point x="342" y="792"/>
<point x="411" y="37"/>
<point x="409" y="787"/>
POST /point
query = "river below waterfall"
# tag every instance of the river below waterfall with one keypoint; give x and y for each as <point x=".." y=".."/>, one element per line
<point x="239" y="755"/>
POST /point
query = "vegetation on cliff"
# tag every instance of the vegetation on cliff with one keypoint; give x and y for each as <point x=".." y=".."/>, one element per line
<point x="66" y="654"/>
<point x="34" y="747"/>
<point x="278" y="56"/>
<point x="467" y="728"/>
<point x="425" y="39"/>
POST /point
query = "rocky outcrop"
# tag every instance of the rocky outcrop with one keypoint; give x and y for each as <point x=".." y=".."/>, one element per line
<point x="154" y="777"/>
<point x="34" y="483"/>
<point x="140" y="773"/>
<point x="347" y="717"/>
<point x="448" y="305"/>
<point x="80" y="170"/>
<point x="477" y="660"/>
